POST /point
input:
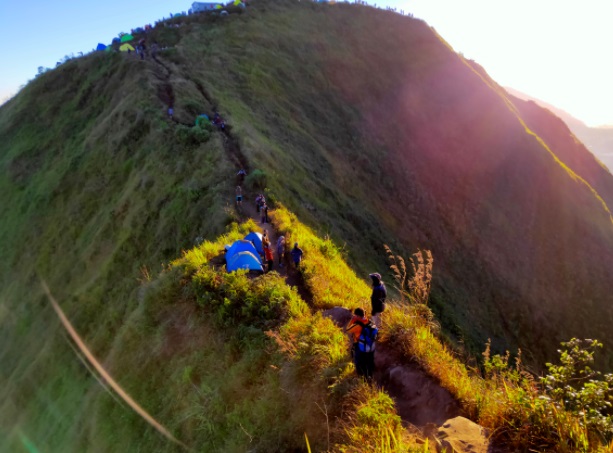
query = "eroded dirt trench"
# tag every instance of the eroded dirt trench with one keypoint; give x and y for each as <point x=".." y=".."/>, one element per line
<point x="420" y="400"/>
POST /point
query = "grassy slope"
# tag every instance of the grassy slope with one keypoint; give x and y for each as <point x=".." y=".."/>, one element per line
<point x="94" y="185"/>
<point x="412" y="147"/>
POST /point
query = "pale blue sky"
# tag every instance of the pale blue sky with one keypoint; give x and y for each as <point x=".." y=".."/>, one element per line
<point x="559" y="51"/>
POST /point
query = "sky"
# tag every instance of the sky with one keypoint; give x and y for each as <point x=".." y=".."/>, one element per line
<point x="558" y="51"/>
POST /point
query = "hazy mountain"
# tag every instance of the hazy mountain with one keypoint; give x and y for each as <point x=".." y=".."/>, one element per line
<point x="599" y="140"/>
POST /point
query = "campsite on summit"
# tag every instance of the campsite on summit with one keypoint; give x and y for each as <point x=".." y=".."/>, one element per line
<point x="283" y="225"/>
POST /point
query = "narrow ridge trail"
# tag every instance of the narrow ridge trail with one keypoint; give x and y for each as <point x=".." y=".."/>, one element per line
<point x="420" y="400"/>
<point x="422" y="404"/>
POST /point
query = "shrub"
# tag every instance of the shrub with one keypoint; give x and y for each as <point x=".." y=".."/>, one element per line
<point x="192" y="135"/>
<point x="576" y="387"/>
<point x="256" y="180"/>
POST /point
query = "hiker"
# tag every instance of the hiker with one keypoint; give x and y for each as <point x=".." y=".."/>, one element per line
<point x="281" y="249"/>
<point x="377" y="298"/>
<point x="259" y="199"/>
<point x="363" y="336"/>
<point x="154" y="49"/>
<point x="218" y="121"/>
<point x="265" y="240"/>
<point x="239" y="196"/>
<point x="264" y="210"/>
<point x="296" y="255"/>
<point x="269" y="256"/>
<point x="241" y="176"/>
<point x="171" y="112"/>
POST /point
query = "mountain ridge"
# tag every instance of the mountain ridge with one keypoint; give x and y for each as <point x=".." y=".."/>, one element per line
<point x="599" y="139"/>
<point x="409" y="147"/>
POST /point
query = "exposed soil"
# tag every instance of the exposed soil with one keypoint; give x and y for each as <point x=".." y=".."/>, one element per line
<point x="420" y="400"/>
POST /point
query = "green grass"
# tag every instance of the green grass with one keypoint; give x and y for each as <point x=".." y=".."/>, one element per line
<point x="99" y="192"/>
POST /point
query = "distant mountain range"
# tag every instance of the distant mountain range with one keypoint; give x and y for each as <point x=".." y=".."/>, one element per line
<point x="599" y="140"/>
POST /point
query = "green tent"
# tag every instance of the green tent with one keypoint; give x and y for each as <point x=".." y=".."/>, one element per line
<point x="126" y="47"/>
<point x="126" y="38"/>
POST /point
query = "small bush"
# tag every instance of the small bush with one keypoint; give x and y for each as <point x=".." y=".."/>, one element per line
<point x="256" y="180"/>
<point x="192" y="135"/>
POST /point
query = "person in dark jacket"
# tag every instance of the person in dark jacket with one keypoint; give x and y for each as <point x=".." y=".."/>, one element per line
<point x="377" y="299"/>
<point x="296" y="255"/>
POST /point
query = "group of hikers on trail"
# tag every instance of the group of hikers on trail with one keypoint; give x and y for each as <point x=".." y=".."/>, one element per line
<point x="361" y="330"/>
<point x="296" y="252"/>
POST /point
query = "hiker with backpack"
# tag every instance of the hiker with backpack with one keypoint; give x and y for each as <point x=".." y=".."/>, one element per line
<point x="377" y="298"/>
<point x="296" y="253"/>
<point x="363" y="336"/>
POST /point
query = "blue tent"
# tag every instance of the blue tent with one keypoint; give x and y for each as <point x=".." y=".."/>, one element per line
<point x="256" y="238"/>
<point x="240" y="246"/>
<point x="244" y="260"/>
<point x="100" y="46"/>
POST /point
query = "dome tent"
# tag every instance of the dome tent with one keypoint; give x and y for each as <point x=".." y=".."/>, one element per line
<point x="241" y="246"/>
<point x="256" y="238"/>
<point x="244" y="260"/>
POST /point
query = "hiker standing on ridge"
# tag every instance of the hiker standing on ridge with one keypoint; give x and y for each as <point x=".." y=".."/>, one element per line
<point x="265" y="240"/>
<point x="240" y="176"/>
<point x="259" y="199"/>
<point x="377" y="299"/>
<point x="296" y="255"/>
<point x="363" y="335"/>
<point x="239" y="196"/>
<point x="281" y="249"/>
<point x="269" y="257"/>
<point x="265" y="218"/>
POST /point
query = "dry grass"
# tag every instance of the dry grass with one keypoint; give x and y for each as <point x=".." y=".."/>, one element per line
<point x="327" y="276"/>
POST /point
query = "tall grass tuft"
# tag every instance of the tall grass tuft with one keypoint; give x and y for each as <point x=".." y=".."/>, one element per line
<point x="327" y="276"/>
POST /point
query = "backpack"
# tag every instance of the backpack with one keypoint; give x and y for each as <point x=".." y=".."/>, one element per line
<point x="368" y="336"/>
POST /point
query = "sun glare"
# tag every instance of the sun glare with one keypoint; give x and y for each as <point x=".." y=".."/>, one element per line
<point x="559" y="52"/>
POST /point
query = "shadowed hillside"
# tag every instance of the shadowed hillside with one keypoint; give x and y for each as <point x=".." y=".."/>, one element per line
<point x="392" y="140"/>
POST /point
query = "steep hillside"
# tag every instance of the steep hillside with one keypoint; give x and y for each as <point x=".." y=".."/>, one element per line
<point x="391" y="140"/>
<point x="415" y="147"/>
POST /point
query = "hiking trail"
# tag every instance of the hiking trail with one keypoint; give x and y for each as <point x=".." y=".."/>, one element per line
<point x="423" y="405"/>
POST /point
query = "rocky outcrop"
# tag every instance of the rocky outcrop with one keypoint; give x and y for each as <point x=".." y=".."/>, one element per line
<point x="460" y="435"/>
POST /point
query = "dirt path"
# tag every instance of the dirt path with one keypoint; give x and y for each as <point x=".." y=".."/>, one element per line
<point x="420" y="400"/>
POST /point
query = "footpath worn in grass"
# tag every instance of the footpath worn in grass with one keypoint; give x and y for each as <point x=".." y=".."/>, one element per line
<point x="99" y="190"/>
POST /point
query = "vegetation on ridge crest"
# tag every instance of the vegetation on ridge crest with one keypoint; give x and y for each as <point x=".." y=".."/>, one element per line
<point x="404" y="147"/>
